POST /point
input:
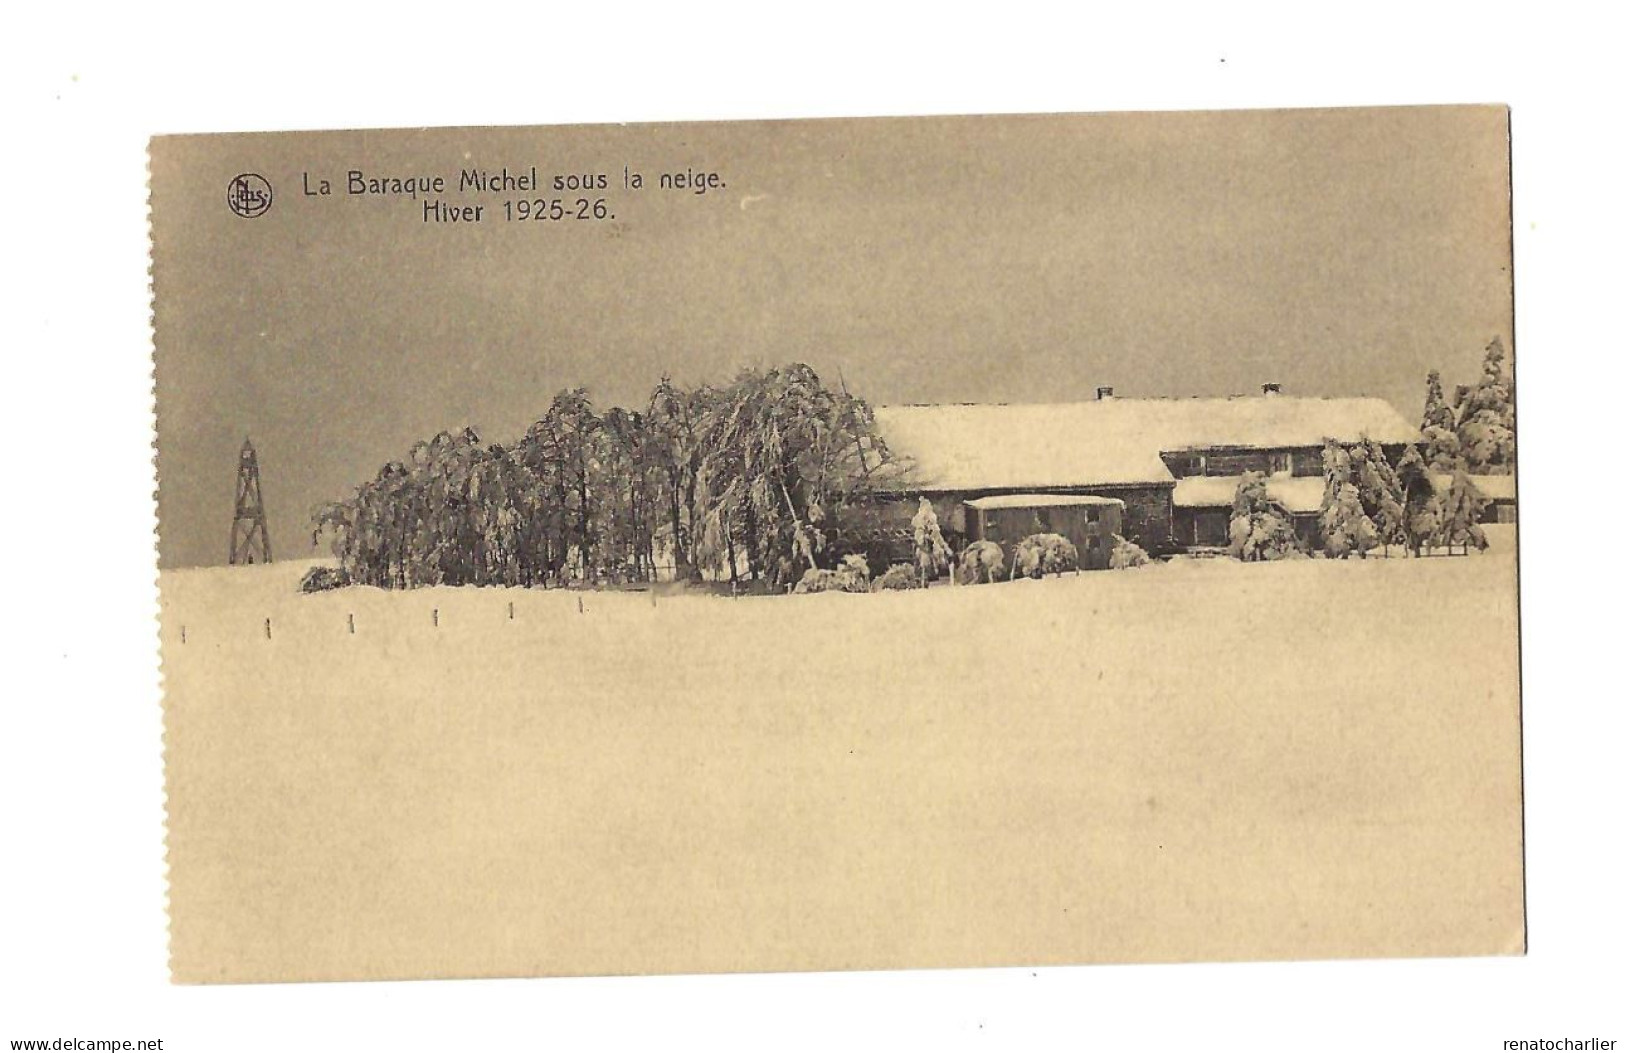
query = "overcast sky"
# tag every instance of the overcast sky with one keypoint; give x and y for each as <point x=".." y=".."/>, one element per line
<point x="972" y="259"/>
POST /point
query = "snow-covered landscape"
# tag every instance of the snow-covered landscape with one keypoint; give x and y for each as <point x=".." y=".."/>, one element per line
<point x="1313" y="738"/>
<point x="1114" y="578"/>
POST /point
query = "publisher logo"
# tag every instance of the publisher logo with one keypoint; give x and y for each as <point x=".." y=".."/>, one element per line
<point x="249" y="195"/>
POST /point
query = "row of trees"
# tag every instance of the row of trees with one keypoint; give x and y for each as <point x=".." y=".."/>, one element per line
<point x="1367" y="504"/>
<point x="1474" y="430"/>
<point x="750" y="476"/>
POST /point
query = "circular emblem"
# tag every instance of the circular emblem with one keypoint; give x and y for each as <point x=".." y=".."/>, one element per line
<point x="249" y="195"/>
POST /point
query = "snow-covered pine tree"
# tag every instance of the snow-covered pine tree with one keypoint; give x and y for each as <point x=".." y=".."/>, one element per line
<point x="1441" y="447"/>
<point x="931" y="553"/>
<point x="1345" y="529"/>
<point x="1463" y="504"/>
<point x="1260" y="528"/>
<point x="1486" y="419"/>
<point x="1423" y="510"/>
<point x="1381" y="493"/>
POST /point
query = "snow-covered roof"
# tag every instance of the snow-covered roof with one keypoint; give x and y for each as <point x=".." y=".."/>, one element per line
<point x="1494" y="487"/>
<point x="1298" y="494"/>
<point x="990" y="504"/>
<point x="1112" y="441"/>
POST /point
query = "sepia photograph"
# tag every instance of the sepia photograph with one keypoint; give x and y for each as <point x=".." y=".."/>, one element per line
<point x="838" y="544"/>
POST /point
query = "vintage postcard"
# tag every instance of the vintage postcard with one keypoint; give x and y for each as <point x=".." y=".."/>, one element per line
<point x="844" y="544"/>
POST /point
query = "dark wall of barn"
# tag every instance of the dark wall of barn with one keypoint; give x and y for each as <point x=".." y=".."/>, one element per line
<point x="1148" y="514"/>
<point x="1089" y="527"/>
<point x="882" y="529"/>
<point x="1202" y="526"/>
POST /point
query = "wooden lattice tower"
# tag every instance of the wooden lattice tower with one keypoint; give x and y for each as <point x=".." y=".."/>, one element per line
<point x="250" y="543"/>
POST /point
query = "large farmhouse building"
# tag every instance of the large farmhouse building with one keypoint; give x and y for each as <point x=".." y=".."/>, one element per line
<point x="1167" y="468"/>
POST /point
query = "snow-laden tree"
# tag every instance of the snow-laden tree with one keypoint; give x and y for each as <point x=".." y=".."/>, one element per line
<point x="1485" y="423"/>
<point x="1423" y="509"/>
<point x="851" y="574"/>
<point x="565" y="450"/>
<point x="981" y="562"/>
<point x="677" y="418"/>
<point x="784" y="454"/>
<point x="1382" y="495"/>
<point x="898" y="576"/>
<point x="1462" y="506"/>
<point x="931" y="553"/>
<point x="444" y="515"/>
<point x="631" y="488"/>
<point x="1126" y="554"/>
<point x="1039" y="554"/>
<point x="1345" y="529"/>
<point x="1441" y="449"/>
<point x="1260" y="527"/>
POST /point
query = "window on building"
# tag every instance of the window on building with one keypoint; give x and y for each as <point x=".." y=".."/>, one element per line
<point x="1183" y="465"/>
<point x="1308" y="462"/>
<point x="1235" y="462"/>
<point x="1091" y="515"/>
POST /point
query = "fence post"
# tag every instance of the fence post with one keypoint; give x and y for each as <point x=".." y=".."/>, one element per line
<point x="435" y="615"/>
<point x="267" y="628"/>
<point x="352" y="624"/>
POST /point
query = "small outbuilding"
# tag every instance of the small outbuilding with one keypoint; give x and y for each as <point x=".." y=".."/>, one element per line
<point x="1087" y="521"/>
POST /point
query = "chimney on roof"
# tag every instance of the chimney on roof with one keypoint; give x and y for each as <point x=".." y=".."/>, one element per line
<point x="1272" y="389"/>
<point x="1102" y="394"/>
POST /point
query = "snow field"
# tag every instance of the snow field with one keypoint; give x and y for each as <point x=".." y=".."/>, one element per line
<point x="1207" y="758"/>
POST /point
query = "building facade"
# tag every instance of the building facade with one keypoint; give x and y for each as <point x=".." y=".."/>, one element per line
<point x="1090" y="522"/>
<point x="1168" y="466"/>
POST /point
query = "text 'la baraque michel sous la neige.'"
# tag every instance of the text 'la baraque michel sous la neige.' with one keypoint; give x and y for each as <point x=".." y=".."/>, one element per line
<point x="505" y="181"/>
